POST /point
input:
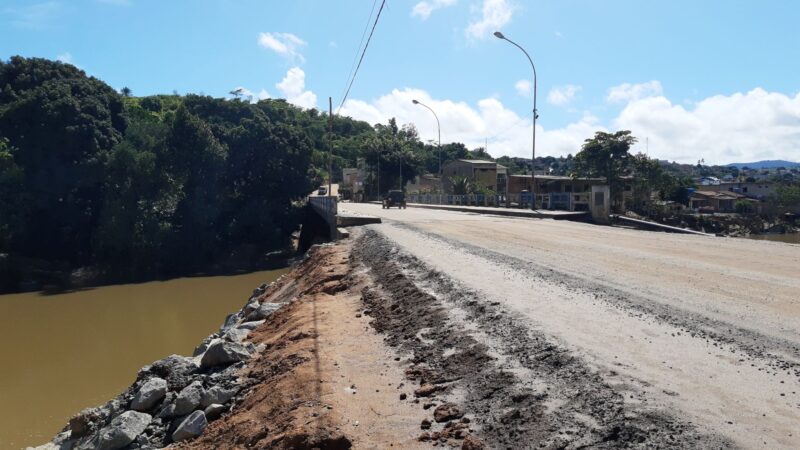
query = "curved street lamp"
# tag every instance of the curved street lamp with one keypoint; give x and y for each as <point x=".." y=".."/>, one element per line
<point x="500" y="35"/>
<point x="439" y="127"/>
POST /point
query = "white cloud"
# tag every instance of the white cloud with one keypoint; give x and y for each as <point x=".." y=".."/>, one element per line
<point x="628" y="92"/>
<point x="507" y="132"/>
<point x="493" y="15"/>
<point x="250" y="96"/>
<point x="293" y="89"/>
<point x="424" y="9"/>
<point x="284" y="44"/>
<point x="563" y="95"/>
<point x="36" y="16"/>
<point x="720" y="129"/>
<point x="65" y="58"/>
<point x="523" y="87"/>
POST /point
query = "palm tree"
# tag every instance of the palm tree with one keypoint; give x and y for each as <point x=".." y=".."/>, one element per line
<point x="126" y="91"/>
<point x="461" y="185"/>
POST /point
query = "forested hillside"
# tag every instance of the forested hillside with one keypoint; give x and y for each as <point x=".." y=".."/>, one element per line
<point x="138" y="187"/>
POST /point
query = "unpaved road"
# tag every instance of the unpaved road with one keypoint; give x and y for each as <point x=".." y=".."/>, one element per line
<point x="564" y="335"/>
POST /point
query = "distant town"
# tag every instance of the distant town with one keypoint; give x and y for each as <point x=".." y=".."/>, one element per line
<point x="735" y="199"/>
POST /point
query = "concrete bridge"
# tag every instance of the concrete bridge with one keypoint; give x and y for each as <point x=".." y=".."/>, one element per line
<point x="688" y="325"/>
<point x="326" y="206"/>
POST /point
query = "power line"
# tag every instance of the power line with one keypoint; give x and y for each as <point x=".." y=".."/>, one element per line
<point x="363" y="35"/>
<point x="350" y="85"/>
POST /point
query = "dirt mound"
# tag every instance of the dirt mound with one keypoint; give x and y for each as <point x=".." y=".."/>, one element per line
<point x="324" y="379"/>
<point x="520" y="389"/>
<point x="282" y="384"/>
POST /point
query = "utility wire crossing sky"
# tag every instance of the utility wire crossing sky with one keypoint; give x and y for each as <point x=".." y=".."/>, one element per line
<point x="713" y="80"/>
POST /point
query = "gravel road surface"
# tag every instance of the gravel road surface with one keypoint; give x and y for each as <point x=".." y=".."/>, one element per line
<point x="588" y="336"/>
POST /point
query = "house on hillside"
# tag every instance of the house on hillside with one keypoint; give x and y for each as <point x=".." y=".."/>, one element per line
<point x="354" y="181"/>
<point x="720" y="202"/>
<point x="567" y="193"/>
<point x="487" y="174"/>
<point x="708" y="181"/>
<point x="424" y="184"/>
<point x="758" y="189"/>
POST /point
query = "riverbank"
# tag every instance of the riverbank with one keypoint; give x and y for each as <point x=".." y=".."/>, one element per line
<point x="170" y="395"/>
<point x="291" y="360"/>
<point x="69" y="351"/>
<point x="23" y="274"/>
<point x="724" y="224"/>
<point x="402" y="336"/>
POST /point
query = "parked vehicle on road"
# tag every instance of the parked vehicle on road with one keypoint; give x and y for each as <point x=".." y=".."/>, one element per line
<point x="395" y="198"/>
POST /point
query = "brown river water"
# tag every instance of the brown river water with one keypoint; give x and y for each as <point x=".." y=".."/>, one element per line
<point x="62" y="353"/>
<point x="791" y="238"/>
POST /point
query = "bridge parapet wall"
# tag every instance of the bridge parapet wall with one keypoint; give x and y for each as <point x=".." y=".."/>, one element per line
<point x="327" y="208"/>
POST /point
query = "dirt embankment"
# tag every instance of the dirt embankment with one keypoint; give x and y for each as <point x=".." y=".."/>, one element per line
<point x="325" y="379"/>
<point x="375" y="350"/>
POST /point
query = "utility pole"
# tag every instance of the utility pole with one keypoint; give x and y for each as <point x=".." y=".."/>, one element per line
<point x="401" y="171"/>
<point x="330" y="145"/>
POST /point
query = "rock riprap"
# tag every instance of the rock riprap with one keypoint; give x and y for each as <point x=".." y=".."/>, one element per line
<point x="223" y="353"/>
<point x="149" y="394"/>
<point x="173" y="399"/>
<point x="123" y="430"/>
<point x="189" y="398"/>
<point x="263" y="311"/>
<point x="191" y="427"/>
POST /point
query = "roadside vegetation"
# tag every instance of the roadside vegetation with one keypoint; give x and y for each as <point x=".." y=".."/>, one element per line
<point x="114" y="187"/>
<point x="128" y="188"/>
<point x="141" y="187"/>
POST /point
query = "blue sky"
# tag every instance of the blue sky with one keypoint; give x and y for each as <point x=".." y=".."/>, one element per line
<point x="708" y="79"/>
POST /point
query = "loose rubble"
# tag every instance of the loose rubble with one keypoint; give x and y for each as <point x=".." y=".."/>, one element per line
<point x="454" y="340"/>
<point x="173" y="399"/>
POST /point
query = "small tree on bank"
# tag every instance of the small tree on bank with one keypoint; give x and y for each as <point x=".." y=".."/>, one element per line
<point x="606" y="155"/>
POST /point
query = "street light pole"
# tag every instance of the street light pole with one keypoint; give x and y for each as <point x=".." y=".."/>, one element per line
<point x="330" y="145"/>
<point x="439" y="127"/>
<point x="500" y="35"/>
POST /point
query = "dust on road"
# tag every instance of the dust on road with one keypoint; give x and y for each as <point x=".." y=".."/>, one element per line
<point x="645" y="338"/>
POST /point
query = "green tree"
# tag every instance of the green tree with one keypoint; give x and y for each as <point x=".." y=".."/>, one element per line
<point x="62" y="125"/>
<point x="606" y="155"/>
<point x="786" y="197"/>
<point x="136" y="224"/>
<point x="12" y="196"/>
<point x="196" y="159"/>
<point x="391" y="152"/>
<point x="461" y="185"/>
<point x="267" y="169"/>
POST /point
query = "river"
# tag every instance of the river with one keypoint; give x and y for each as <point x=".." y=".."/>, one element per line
<point x="791" y="238"/>
<point x="63" y="353"/>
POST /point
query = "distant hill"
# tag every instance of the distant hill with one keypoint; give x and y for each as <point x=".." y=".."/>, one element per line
<point x="768" y="164"/>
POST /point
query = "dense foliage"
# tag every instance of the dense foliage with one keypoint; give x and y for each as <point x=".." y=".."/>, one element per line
<point x="143" y="186"/>
<point x="165" y="185"/>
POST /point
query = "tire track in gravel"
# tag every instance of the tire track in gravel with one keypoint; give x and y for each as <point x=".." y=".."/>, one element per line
<point x="519" y="387"/>
<point x="781" y="355"/>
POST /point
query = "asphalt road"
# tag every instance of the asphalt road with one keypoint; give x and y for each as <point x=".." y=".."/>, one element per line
<point x="705" y="328"/>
